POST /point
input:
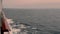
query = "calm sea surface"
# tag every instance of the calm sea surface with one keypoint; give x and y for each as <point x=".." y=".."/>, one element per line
<point x="48" y="19"/>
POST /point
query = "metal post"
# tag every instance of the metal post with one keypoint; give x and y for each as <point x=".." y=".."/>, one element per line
<point x="1" y="32"/>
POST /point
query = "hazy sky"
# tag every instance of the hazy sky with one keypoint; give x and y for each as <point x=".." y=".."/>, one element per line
<point x="31" y="3"/>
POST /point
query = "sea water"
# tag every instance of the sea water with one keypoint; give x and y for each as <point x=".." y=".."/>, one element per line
<point x="48" y="19"/>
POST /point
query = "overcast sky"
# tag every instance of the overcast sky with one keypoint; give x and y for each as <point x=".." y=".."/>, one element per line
<point x="31" y="3"/>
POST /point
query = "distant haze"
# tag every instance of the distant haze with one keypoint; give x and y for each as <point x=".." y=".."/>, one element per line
<point x="31" y="3"/>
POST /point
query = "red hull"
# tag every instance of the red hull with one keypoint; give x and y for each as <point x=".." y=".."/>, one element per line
<point x="5" y="26"/>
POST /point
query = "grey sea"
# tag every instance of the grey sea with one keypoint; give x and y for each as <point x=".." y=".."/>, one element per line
<point x="46" y="20"/>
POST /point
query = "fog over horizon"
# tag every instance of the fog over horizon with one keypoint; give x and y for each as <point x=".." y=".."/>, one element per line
<point x="31" y="4"/>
